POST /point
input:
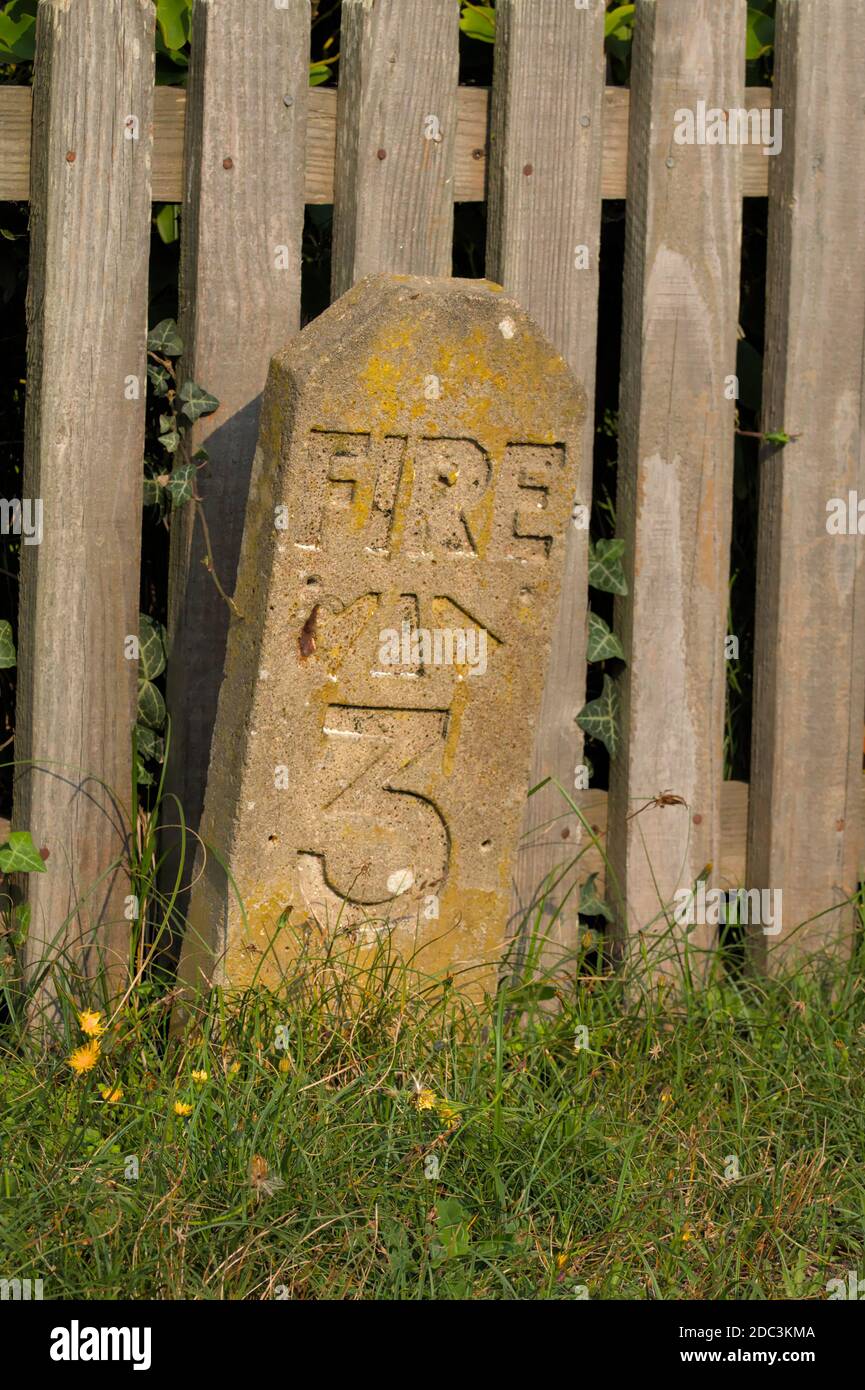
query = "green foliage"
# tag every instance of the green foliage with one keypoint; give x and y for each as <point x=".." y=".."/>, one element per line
<point x="618" y="36"/>
<point x="605" y="567"/>
<point x="151" y="648"/>
<point x="603" y="643"/>
<point x="7" y="646"/>
<point x="167" y="223"/>
<point x="18" y="31"/>
<point x="169" y="484"/>
<point x="478" y="21"/>
<point x="19" y="855"/>
<point x="151" y="705"/>
<point x="602" y="1167"/>
<point x="599" y="718"/>
<point x="149" y="745"/>
<point x="173" y="21"/>
<point x="165" y="339"/>
<point x="196" y="401"/>
<point x="591" y="903"/>
<point x="760" y="36"/>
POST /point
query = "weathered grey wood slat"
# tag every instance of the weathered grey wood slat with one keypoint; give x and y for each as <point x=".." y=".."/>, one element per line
<point x="470" y="172"/>
<point x="805" y="832"/>
<point x="396" y="139"/>
<point x="84" y="437"/>
<point x="674" y="490"/>
<point x="546" y="155"/>
<point x="239" y="303"/>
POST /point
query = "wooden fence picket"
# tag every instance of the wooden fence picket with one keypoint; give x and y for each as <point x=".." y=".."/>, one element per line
<point x="674" y="492"/>
<point x="240" y="302"/>
<point x="396" y="139"/>
<point x="544" y="220"/>
<point x="805" y="831"/>
<point x="84" y="437"/>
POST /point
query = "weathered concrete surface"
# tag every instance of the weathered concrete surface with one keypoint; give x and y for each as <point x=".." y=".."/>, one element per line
<point x="416" y="470"/>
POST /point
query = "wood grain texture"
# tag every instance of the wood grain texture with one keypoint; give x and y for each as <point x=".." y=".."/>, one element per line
<point x="674" y="493"/>
<point x="396" y="139"/>
<point x="84" y="436"/>
<point x="730" y="868"/>
<point x="239" y="303"/>
<point x="806" y="819"/>
<point x="471" y="148"/>
<point x="544" y="220"/>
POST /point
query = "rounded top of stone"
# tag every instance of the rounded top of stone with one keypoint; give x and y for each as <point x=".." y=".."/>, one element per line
<point x="394" y="341"/>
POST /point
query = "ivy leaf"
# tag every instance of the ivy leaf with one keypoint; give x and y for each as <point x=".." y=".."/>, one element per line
<point x="151" y="706"/>
<point x="165" y="339"/>
<point x="143" y="776"/>
<point x="591" y="903"/>
<point x="603" y="643"/>
<point x="148" y="743"/>
<point x="7" y="646"/>
<point x="159" y="378"/>
<point x="19" y="855"/>
<point x="196" y="401"/>
<point x="152" y="491"/>
<point x="170" y="440"/>
<point x="605" y="567"/>
<point x="478" y="22"/>
<point x="599" y="718"/>
<point x="181" y="484"/>
<point x="151" y="648"/>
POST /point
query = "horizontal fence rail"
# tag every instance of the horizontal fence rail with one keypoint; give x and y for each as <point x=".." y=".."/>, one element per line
<point x="470" y="155"/>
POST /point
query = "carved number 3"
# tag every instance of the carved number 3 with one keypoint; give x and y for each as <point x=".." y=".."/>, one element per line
<point x="380" y="772"/>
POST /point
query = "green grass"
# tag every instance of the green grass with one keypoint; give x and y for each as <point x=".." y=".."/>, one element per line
<point x="558" y="1168"/>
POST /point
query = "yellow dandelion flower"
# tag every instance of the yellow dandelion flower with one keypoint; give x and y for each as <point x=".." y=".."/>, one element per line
<point x="588" y="940"/>
<point x="666" y="1097"/>
<point x="199" y="1077"/>
<point x="84" y="1058"/>
<point x="284" y="1064"/>
<point x="183" y="1108"/>
<point x="232" y="1069"/>
<point x="112" y="1094"/>
<point x="425" y="1100"/>
<point x="448" y="1112"/>
<point x="91" y="1023"/>
<point x="687" y="1233"/>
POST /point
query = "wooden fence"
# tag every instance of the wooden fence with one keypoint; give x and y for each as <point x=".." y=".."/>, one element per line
<point x="244" y="148"/>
